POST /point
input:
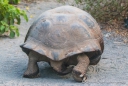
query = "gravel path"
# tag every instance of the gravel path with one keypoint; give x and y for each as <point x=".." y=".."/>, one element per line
<point x="112" y="70"/>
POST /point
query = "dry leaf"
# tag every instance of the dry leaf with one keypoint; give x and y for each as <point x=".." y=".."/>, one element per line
<point x="18" y="8"/>
<point x="31" y="16"/>
<point x="27" y="8"/>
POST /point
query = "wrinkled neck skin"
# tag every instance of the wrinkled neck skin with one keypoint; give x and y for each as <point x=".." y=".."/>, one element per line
<point x="64" y="66"/>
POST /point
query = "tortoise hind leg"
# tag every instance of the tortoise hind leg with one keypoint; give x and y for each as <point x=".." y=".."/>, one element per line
<point x="80" y="69"/>
<point x="33" y="69"/>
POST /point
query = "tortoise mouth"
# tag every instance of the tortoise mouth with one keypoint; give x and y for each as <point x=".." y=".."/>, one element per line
<point x="67" y="70"/>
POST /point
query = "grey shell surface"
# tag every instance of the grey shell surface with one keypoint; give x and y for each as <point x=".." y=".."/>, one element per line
<point x="63" y="32"/>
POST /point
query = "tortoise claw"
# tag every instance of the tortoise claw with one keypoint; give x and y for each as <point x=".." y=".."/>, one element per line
<point x="84" y="79"/>
<point x="81" y="75"/>
<point x="78" y="76"/>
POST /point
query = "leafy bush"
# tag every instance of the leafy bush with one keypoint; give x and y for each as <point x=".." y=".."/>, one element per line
<point x="9" y="16"/>
<point x="14" y="1"/>
<point x="106" y="10"/>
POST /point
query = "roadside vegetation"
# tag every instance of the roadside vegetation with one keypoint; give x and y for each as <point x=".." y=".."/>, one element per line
<point x="106" y="10"/>
<point x="112" y="15"/>
<point x="10" y="17"/>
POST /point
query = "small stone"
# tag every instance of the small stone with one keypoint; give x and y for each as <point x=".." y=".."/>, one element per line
<point x="125" y="40"/>
<point x="107" y="35"/>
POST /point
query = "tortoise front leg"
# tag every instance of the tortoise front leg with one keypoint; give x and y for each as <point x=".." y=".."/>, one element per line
<point x="79" y="71"/>
<point x="33" y="69"/>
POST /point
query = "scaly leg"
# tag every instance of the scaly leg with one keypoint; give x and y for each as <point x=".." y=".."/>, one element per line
<point x="79" y="71"/>
<point x="33" y="69"/>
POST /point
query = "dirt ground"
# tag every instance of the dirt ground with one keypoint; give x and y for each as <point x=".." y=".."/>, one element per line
<point x="112" y="70"/>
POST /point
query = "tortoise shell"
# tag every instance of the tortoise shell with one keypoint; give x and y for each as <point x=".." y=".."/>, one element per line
<point x="63" y="32"/>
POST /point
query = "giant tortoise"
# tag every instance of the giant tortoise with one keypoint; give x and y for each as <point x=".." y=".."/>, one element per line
<point x="64" y="36"/>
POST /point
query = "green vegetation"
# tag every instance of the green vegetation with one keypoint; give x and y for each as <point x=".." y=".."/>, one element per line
<point x="14" y="1"/>
<point x="106" y="10"/>
<point x="9" y="17"/>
